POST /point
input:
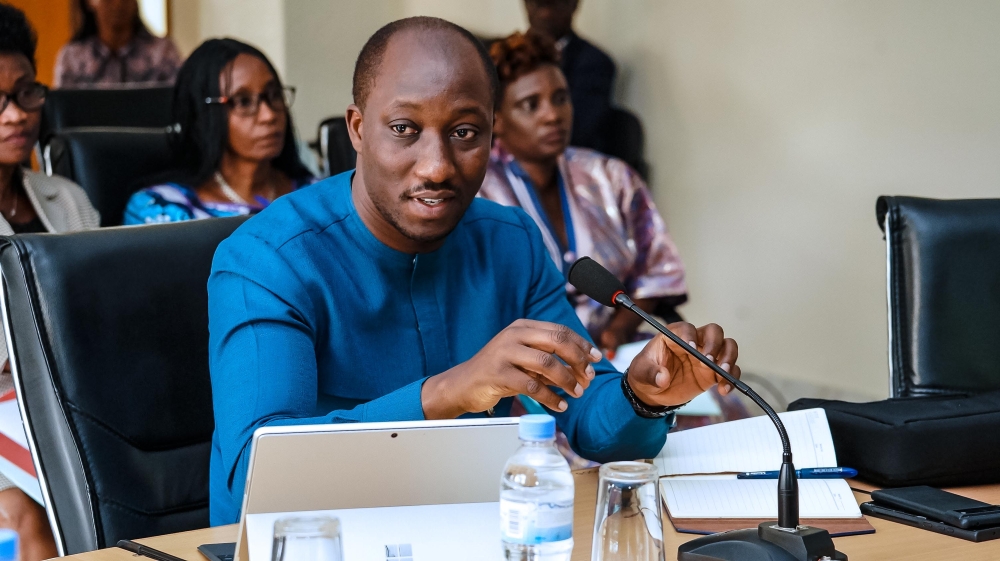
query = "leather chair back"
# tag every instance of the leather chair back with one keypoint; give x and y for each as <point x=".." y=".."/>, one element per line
<point x="625" y="139"/>
<point x="336" y="152"/>
<point x="108" y="163"/>
<point x="943" y="289"/>
<point x="108" y="335"/>
<point x="123" y="107"/>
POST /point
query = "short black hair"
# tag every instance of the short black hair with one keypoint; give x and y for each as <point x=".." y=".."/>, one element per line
<point x="370" y="58"/>
<point x="203" y="133"/>
<point x="16" y="34"/>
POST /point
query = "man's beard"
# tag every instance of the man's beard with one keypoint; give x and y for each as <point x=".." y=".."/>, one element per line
<point x="395" y="219"/>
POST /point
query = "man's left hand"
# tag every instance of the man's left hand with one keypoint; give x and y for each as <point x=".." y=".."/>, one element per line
<point x="664" y="374"/>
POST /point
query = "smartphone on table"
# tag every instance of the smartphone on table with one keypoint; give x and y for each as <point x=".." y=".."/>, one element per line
<point x="954" y="510"/>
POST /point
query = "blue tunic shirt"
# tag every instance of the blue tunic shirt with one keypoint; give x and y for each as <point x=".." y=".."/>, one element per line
<point x="313" y="320"/>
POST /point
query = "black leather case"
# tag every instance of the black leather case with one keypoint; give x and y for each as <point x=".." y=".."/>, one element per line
<point x="936" y="440"/>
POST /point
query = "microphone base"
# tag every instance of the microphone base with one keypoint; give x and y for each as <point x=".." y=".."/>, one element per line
<point x="765" y="543"/>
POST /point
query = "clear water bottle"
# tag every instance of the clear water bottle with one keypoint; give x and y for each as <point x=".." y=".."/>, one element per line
<point x="536" y="496"/>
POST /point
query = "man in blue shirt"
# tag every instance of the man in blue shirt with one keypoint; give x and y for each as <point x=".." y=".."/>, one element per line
<point x="392" y="294"/>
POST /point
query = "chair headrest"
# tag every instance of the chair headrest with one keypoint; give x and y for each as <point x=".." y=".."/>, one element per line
<point x="117" y="107"/>
<point x="109" y="163"/>
<point x="942" y="213"/>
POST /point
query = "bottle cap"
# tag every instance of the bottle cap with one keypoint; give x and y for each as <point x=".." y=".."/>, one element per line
<point x="537" y="427"/>
<point x="8" y="545"/>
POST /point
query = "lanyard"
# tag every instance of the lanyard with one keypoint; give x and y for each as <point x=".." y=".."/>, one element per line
<point x="526" y="195"/>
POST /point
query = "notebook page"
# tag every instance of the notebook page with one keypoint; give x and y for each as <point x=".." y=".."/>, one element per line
<point x="755" y="498"/>
<point x="749" y="445"/>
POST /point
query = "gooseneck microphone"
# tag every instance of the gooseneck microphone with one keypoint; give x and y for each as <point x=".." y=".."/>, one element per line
<point x="592" y="279"/>
<point x="791" y="540"/>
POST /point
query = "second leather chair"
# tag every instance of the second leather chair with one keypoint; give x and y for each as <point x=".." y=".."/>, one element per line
<point x="109" y="163"/>
<point x="943" y="293"/>
<point x="121" y="107"/>
<point x="109" y="332"/>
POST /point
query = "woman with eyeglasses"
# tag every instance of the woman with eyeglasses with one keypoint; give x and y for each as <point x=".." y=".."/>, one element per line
<point x="29" y="202"/>
<point x="235" y="148"/>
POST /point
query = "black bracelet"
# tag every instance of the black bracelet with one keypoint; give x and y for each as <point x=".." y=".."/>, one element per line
<point x="640" y="408"/>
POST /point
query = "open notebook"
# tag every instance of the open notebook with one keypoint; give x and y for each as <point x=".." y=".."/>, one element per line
<point x="702" y="495"/>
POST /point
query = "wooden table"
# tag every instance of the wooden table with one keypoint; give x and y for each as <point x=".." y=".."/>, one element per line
<point x="890" y="540"/>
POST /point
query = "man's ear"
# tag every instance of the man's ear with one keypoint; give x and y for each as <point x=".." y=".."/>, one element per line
<point x="497" y="124"/>
<point x="354" y="126"/>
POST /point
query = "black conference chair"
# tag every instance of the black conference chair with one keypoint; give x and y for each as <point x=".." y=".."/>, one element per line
<point x="943" y="261"/>
<point x="625" y="139"/>
<point x="108" y="163"/>
<point x="336" y="153"/>
<point x="124" y="107"/>
<point x="109" y="333"/>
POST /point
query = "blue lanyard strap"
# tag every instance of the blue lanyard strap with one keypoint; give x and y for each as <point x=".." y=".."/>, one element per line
<point x="547" y="223"/>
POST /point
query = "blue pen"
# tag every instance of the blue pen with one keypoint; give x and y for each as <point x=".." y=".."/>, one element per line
<point x="806" y="473"/>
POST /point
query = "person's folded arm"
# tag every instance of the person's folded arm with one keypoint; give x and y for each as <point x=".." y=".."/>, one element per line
<point x="600" y="425"/>
<point x="262" y="328"/>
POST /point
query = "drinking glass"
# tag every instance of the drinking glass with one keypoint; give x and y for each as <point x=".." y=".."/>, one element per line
<point x="313" y="538"/>
<point x="627" y="526"/>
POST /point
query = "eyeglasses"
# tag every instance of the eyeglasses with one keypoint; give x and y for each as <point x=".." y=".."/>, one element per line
<point x="29" y="98"/>
<point x="247" y="104"/>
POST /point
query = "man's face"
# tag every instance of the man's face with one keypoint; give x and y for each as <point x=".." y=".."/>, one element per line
<point x="423" y="139"/>
<point x="552" y="18"/>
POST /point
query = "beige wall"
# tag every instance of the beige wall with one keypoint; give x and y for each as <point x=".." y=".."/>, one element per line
<point x="483" y="17"/>
<point x="322" y="41"/>
<point x="258" y="22"/>
<point x="185" y="24"/>
<point x="771" y="126"/>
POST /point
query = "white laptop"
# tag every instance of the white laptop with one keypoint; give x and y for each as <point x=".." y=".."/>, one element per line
<point x="429" y="489"/>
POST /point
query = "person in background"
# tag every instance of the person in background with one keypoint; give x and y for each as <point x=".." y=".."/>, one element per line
<point x="29" y="202"/>
<point x="589" y="72"/>
<point x="236" y="151"/>
<point x="113" y="48"/>
<point x="584" y="202"/>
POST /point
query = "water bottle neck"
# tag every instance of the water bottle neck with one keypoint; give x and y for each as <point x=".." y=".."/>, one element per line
<point x="538" y="443"/>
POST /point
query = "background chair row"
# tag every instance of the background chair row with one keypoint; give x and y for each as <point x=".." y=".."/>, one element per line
<point x="109" y="347"/>
<point x="109" y="141"/>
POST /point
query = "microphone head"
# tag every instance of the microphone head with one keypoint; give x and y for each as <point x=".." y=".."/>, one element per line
<point x="590" y="278"/>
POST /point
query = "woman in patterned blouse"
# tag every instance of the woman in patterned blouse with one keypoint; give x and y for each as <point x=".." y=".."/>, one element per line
<point x="113" y="48"/>
<point x="584" y="202"/>
<point x="235" y="151"/>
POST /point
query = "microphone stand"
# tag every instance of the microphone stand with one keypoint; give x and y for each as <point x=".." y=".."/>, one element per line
<point x="785" y="539"/>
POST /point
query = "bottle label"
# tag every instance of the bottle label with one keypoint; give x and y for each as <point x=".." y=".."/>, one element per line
<point x="531" y="523"/>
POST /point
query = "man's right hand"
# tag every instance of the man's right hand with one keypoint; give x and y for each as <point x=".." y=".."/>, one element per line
<point x="521" y="359"/>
